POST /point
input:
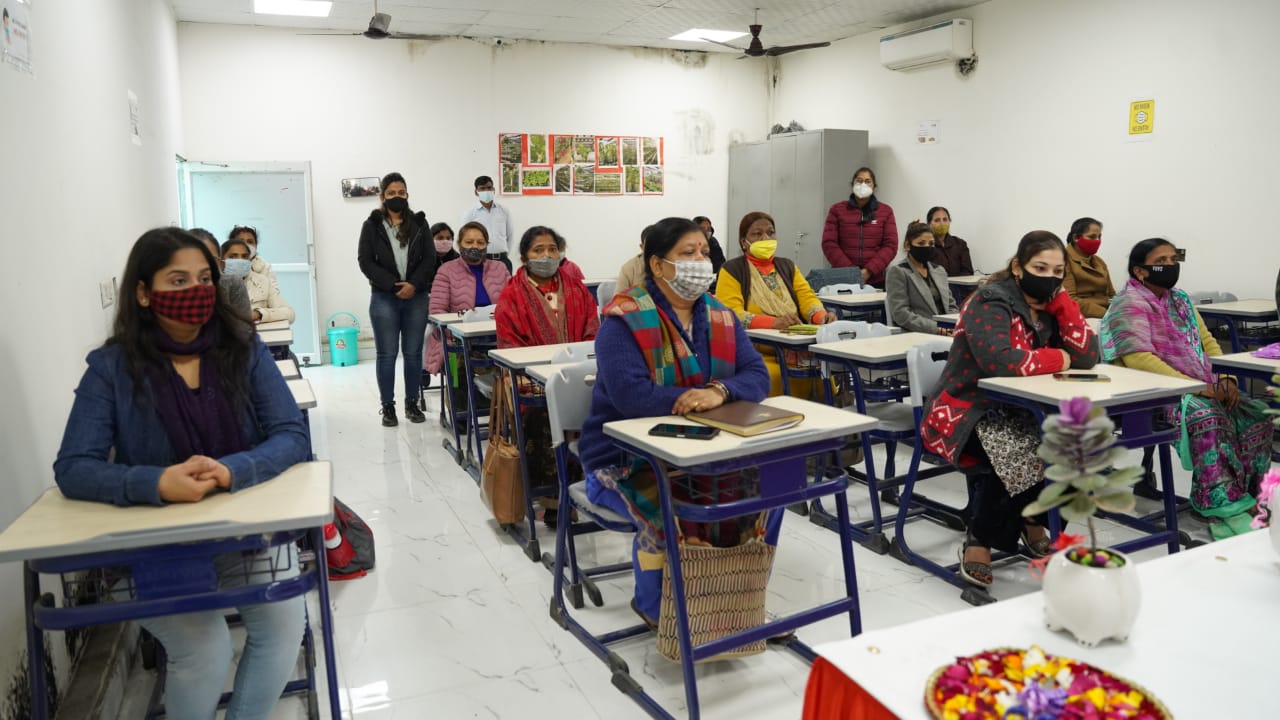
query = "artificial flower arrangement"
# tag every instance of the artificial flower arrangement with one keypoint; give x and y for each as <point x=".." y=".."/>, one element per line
<point x="1009" y="684"/>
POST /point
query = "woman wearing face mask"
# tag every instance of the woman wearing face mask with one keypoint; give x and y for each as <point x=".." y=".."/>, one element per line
<point x="917" y="288"/>
<point x="248" y="235"/>
<point x="183" y="401"/>
<point x="442" y="235"/>
<point x="267" y="304"/>
<point x="665" y="347"/>
<point x="1087" y="280"/>
<point x="231" y="285"/>
<point x="1152" y="325"/>
<point x="468" y="282"/>
<point x="766" y="291"/>
<point x="952" y="252"/>
<point x="546" y="302"/>
<point x="861" y="232"/>
<point x="1019" y="323"/>
<point x="400" y="263"/>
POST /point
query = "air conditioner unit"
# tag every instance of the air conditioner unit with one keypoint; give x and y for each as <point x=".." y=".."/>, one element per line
<point x="940" y="42"/>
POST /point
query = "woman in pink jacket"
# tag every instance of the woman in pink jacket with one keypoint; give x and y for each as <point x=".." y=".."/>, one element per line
<point x="861" y="232"/>
<point x="464" y="283"/>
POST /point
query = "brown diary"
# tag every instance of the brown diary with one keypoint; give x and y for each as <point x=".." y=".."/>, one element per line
<point x="747" y="418"/>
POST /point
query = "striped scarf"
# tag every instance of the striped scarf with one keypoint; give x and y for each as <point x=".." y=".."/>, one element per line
<point x="1138" y="321"/>
<point x="671" y="361"/>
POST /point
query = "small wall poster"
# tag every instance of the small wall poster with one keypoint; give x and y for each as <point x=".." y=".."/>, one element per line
<point x="927" y="132"/>
<point x="15" y="42"/>
<point x="574" y="164"/>
<point x="1142" y="120"/>
<point x="135" y="120"/>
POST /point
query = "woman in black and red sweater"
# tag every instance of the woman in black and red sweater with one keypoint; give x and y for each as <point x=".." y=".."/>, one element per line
<point x="1019" y="323"/>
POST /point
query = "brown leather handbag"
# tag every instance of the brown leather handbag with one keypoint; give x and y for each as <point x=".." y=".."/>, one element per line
<point x="501" y="486"/>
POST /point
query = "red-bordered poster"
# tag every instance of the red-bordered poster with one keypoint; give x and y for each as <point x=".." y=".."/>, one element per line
<point x="577" y="164"/>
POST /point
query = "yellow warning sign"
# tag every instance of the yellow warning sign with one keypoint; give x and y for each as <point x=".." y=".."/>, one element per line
<point x="1142" y="115"/>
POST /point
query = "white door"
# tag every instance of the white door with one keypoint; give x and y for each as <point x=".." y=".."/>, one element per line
<point x="275" y="199"/>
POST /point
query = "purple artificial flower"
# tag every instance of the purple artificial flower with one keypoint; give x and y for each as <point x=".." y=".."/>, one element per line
<point x="1075" y="411"/>
<point x="1040" y="700"/>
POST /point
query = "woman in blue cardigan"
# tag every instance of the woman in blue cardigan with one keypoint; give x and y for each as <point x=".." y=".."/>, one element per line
<point x="191" y="403"/>
<point x="664" y="347"/>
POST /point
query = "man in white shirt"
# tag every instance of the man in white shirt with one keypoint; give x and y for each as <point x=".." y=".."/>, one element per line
<point x="495" y="219"/>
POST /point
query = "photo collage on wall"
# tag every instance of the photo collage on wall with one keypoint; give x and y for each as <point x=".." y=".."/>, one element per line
<point x="551" y="164"/>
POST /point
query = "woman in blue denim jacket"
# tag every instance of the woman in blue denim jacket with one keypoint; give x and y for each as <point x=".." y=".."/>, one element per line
<point x="190" y="403"/>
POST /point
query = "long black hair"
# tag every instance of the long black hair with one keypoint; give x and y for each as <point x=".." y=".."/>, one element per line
<point x="1031" y="245"/>
<point x="402" y="232"/>
<point x="135" y="326"/>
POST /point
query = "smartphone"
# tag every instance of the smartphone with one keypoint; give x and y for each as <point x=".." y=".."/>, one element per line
<point x="695" y="432"/>
<point x="1081" y="377"/>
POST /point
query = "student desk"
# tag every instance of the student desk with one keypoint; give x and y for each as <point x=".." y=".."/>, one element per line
<point x="515" y="363"/>
<point x="781" y="341"/>
<point x="447" y="415"/>
<point x="869" y="305"/>
<point x="177" y="545"/>
<point x="1240" y="311"/>
<point x="962" y="285"/>
<point x="289" y="369"/>
<point x="593" y="284"/>
<point x="890" y="667"/>
<point x="273" y="325"/>
<point x="780" y="457"/>
<point x="468" y="337"/>
<point x="305" y="399"/>
<point x="1246" y="365"/>
<point x="276" y="338"/>
<point x="950" y="320"/>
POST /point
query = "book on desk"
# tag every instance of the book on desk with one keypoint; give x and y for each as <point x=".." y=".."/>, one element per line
<point x="747" y="418"/>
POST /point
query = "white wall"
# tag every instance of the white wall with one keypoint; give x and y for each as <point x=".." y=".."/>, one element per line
<point x="433" y="111"/>
<point x="74" y="194"/>
<point x="1036" y="136"/>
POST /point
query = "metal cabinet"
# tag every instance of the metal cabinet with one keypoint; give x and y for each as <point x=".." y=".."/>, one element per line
<point x="795" y="178"/>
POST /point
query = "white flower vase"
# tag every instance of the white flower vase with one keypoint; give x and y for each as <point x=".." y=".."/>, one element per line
<point x="1091" y="603"/>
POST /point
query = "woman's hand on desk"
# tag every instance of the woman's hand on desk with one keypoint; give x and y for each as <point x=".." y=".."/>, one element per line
<point x="219" y="472"/>
<point x="697" y="400"/>
<point x="183" y="483"/>
<point x="782" y="322"/>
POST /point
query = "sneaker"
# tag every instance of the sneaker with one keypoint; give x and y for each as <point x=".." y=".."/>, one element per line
<point x="413" y="412"/>
<point x="389" y="415"/>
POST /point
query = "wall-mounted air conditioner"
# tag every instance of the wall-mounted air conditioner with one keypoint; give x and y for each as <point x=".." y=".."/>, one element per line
<point x="940" y="42"/>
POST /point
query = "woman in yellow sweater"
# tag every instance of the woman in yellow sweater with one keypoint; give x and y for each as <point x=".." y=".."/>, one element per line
<point x="766" y="291"/>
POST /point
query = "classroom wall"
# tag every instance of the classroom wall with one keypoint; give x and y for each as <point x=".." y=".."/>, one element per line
<point x="433" y="110"/>
<point x="1037" y="135"/>
<point x="75" y="192"/>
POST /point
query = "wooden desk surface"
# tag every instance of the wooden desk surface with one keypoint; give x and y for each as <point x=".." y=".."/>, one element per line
<point x="275" y="338"/>
<point x="525" y="357"/>
<point x="1126" y="385"/>
<point x="273" y="325"/>
<point x="873" y="350"/>
<point x="820" y="422"/>
<point x="289" y="369"/>
<point x="854" y="299"/>
<point x="777" y="336"/>
<point x="1258" y="309"/>
<point x="302" y="393"/>
<point x="480" y="328"/>
<point x="300" y="497"/>
<point x="1247" y="361"/>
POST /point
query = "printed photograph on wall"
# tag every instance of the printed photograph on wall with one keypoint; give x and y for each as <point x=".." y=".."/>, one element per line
<point x="607" y="153"/>
<point x="537" y="150"/>
<point x="584" y="179"/>
<point x="564" y="179"/>
<point x="632" y="178"/>
<point x="536" y="179"/>
<point x="652" y="151"/>
<point x="511" y="148"/>
<point x="652" y="179"/>
<point x="360" y="187"/>
<point x="15" y="48"/>
<point x="584" y="148"/>
<point x="630" y="151"/>
<point x="562" y="149"/>
<point x="608" y="183"/>
<point x="510" y="179"/>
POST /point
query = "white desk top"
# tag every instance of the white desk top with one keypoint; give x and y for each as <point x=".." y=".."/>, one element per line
<point x="873" y="350"/>
<point x="479" y="328"/>
<point x="300" y="497"/>
<point x="970" y="280"/>
<point x="1164" y="654"/>
<point x="524" y="357"/>
<point x="447" y="318"/>
<point x="289" y="369"/>
<point x="777" y="336"/>
<point x="820" y="422"/>
<point x="854" y="299"/>
<point x="274" y="338"/>
<point x="1246" y="360"/>
<point x="1126" y="385"/>
<point x="302" y="393"/>
<point x="1241" y="308"/>
<point x="273" y="325"/>
<point x="541" y="373"/>
<point x="592" y="282"/>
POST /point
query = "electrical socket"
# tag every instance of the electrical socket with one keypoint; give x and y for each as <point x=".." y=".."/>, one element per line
<point x="107" y="292"/>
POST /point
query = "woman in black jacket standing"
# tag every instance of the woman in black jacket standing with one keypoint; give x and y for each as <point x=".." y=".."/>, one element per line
<point x="398" y="256"/>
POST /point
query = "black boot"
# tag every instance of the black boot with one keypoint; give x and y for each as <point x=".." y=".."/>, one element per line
<point x="413" y="412"/>
<point x="389" y="415"/>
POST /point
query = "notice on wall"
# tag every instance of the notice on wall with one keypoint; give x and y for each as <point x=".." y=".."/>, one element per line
<point x="1142" y="117"/>
<point x="135" y="122"/>
<point x="927" y="132"/>
<point x="15" y="46"/>
<point x="565" y="164"/>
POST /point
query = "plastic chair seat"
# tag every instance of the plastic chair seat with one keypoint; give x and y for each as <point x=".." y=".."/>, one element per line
<point x="894" y="417"/>
<point x="484" y="385"/>
<point x="578" y="492"/>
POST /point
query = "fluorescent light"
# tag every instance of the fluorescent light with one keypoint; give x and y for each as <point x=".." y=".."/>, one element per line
<point x="302" y="8"/>
<point x="701" y="34"/>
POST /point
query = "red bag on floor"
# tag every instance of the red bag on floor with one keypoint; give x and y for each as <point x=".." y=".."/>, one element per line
<point x="348" y="544"/>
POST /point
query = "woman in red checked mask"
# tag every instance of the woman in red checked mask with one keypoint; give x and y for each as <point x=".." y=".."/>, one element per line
<point x="190" y="403"/>
<point x="1087" y="281"/>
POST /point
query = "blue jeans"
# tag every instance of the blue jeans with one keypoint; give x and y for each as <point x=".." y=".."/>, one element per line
<point x="399" y="326"/>
<point x="198" y="646"/>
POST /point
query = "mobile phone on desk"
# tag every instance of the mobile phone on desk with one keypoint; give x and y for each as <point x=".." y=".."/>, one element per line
<point x="677" y="430"/>
<point x="1081" y="377"/>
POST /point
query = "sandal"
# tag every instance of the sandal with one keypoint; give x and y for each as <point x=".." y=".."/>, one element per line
<point x="650" y="623"/>
<point x="781" y="638"/>
<point x="1036" y="548"/>
<point x="975" y="573"/>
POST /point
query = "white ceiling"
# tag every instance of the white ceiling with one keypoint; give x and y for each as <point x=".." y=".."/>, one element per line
<point x="602" y="22"/>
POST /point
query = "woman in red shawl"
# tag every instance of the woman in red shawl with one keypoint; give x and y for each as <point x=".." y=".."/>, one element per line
<point x="546" y="302"/>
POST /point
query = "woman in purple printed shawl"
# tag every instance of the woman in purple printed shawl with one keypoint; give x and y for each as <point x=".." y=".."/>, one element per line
<point x="1152" y="325"/>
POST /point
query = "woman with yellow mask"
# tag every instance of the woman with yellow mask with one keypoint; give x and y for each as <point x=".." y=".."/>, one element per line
<point x="766" y="291"/>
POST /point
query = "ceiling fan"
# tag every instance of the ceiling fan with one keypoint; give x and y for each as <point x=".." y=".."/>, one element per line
<point x="757" y="48"/>
<point x="380" y="29"/>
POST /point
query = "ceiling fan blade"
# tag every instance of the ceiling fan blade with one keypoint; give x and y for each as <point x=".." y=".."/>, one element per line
<point x="413" y="36"/>
<point x="332" y="34"/>
<point x="724" y="44"/>
<point x="784" y="49"/>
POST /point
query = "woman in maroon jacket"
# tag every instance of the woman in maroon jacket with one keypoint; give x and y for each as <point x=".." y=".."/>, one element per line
<point x="1019" y="323"/>
<point x="861" y="232"/>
